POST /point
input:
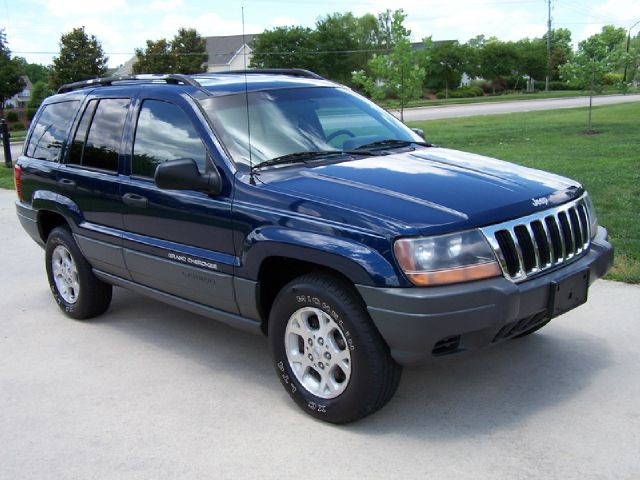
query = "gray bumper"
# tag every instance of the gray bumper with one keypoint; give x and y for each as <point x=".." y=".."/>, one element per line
<point x="421" y="323"/>
<point x="28" y="218"/>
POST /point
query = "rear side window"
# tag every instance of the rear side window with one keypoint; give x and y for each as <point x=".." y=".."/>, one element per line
<point x="164" y="132"/>
<point x="97" y="140"/>
<point x="51" y="131"/>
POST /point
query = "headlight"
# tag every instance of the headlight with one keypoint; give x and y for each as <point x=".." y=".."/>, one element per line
<point x="593" y="218"/>
<point x="453" y="258"/>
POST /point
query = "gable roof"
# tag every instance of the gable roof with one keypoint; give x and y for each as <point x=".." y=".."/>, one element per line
<point x="221" y="50"/>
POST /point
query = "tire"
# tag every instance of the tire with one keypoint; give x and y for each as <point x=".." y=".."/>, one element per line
<point x="327" y="353"/>
<point x="75" y="288"/>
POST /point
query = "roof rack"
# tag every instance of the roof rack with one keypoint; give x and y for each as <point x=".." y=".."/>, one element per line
<point x="296" y="72"/>
<point x="172" y="78"/>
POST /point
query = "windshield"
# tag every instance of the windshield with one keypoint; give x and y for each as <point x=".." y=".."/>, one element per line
<point x="286" y="121"/>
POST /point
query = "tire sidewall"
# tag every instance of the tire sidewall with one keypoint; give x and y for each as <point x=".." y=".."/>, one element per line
<point x="300" y="295"/>
<point x="62" y="237"/>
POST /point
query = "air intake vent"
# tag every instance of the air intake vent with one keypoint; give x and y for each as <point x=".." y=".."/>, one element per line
<point x="530" y="245"/>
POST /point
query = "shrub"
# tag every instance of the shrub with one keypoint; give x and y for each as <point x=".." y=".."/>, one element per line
<point x="462" y="92"/>
<point x="31" y="112"/>
<point x="612" y="78"/>
<point x="558" y="85"/>
<point x="12" y="117"/>
<point x="515" y="83"/>
<point x="484" y="85"/>
<point x="16" y="126"/>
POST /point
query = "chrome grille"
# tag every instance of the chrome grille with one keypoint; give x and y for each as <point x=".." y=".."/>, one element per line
<point x="530" y="245"/>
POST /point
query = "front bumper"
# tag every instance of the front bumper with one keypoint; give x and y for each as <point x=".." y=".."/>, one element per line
<point x="422" y="323"/>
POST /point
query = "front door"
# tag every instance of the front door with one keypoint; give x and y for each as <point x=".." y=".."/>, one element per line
<point x="178" y="242"/>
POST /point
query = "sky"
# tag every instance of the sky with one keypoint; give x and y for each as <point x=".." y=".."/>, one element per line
<point x="33" y="27"/>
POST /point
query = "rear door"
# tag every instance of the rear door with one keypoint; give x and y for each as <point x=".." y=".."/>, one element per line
<point x="90" y="178"/>
<point x="178" y="242"/>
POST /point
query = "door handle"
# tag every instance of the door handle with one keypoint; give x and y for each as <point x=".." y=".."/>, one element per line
<point x="65" y="182"/>
<point x="134" y="200"/>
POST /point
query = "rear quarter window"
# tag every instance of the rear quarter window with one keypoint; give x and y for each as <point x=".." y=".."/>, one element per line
<point x="96" y="143"/>
<point x="51" y="130"/>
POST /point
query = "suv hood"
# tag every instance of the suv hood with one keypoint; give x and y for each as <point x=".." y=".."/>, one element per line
<point x="429" y="190"/>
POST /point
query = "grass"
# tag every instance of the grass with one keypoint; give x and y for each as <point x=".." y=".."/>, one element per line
<point x="18" y="135"/>
<point x="6" y="177"/>
<point x="391" y="104"/>
<point x="606" y="163"/>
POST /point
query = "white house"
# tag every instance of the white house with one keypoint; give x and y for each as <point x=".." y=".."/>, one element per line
<point x="225" y="53"/>
<point x="22" y="98"/>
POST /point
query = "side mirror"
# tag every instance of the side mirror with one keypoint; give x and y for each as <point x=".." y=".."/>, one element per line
<point x="183" y="174"/>
<point x="419" y="131"/>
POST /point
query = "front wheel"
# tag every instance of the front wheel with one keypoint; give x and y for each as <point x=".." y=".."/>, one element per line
<point x="328" y="355"/>
<point x="75" y="288"/>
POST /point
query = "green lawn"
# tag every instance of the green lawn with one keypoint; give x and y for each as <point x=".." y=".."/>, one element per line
<point x="607" y="163"/>
<point x="6" y="176"/>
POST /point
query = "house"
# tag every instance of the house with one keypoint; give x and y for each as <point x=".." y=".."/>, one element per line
<point x="21" y="99"/>
<point x="228" y="53"/>
<point x="225" y="53"/>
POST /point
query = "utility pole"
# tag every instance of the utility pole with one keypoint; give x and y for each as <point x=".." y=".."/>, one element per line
<point x="624" y="77"/>
<point x="546" y="83"/>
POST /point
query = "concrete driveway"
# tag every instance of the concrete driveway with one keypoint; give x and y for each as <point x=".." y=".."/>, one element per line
<point x="148" y="391"/>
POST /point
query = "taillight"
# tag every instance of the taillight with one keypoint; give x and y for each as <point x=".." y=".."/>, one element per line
<point x="17" y="180"/>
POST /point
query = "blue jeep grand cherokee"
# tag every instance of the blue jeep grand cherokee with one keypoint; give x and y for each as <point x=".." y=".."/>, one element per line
<point x="282" y="203"/>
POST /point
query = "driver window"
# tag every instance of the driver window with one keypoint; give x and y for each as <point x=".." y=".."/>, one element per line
<point x="164" y="132"/>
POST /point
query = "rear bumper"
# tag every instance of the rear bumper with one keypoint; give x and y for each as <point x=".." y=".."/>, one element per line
<point x="421" y="323"/>
<point x="29" y="220"/>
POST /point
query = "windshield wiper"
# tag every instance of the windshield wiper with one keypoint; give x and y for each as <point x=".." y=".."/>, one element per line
<point x="391" y="143"/>
<point x="299" y="157"/>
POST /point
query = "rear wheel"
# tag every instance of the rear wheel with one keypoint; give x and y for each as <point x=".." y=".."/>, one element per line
<point x="328" y="355"/>
<point x="75" y="288"/>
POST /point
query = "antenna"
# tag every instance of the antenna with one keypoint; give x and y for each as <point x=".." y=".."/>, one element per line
<point x="246" y="93"/>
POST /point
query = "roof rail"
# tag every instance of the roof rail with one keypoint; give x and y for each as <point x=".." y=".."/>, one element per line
<point x="172" y="78"/>
<point x="296" y="72"/>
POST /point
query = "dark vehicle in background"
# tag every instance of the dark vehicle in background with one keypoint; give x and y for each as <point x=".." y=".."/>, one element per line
<point x="285" y="204"/>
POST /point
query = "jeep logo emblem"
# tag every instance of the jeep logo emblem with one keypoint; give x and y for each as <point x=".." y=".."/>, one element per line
<point x="540" y="201"/>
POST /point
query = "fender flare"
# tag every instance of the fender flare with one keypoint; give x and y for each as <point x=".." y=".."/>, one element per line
<point x="359" y="263"/>
<point x="45" y="200"/>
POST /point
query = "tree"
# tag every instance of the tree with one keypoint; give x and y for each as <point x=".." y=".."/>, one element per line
<point x="81" y="57"/>
<point x="398" y="73"/>
<point x="597" y="55"/>
<point x="561" y="49"/>
<point x="531" y="58"/>
<point x="448" y="61"/>
<point x="285" y="47"/>
<point x="336" y="37"/>
<point x="612" y="38"/>
<point x="10" y="73"/>
<point x="34" y="71"/>
<point x="155" y="58"/>
<point x="39" y="92"/>
<point x="497" y="60"/>
<point x="186" y="54"/>
<point x="631" y="59"/>
<point x="190" y="52"/>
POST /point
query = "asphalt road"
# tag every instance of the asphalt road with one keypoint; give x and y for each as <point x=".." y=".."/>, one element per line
<point x="150" y="392"/>
<point x="491" y="108"/>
